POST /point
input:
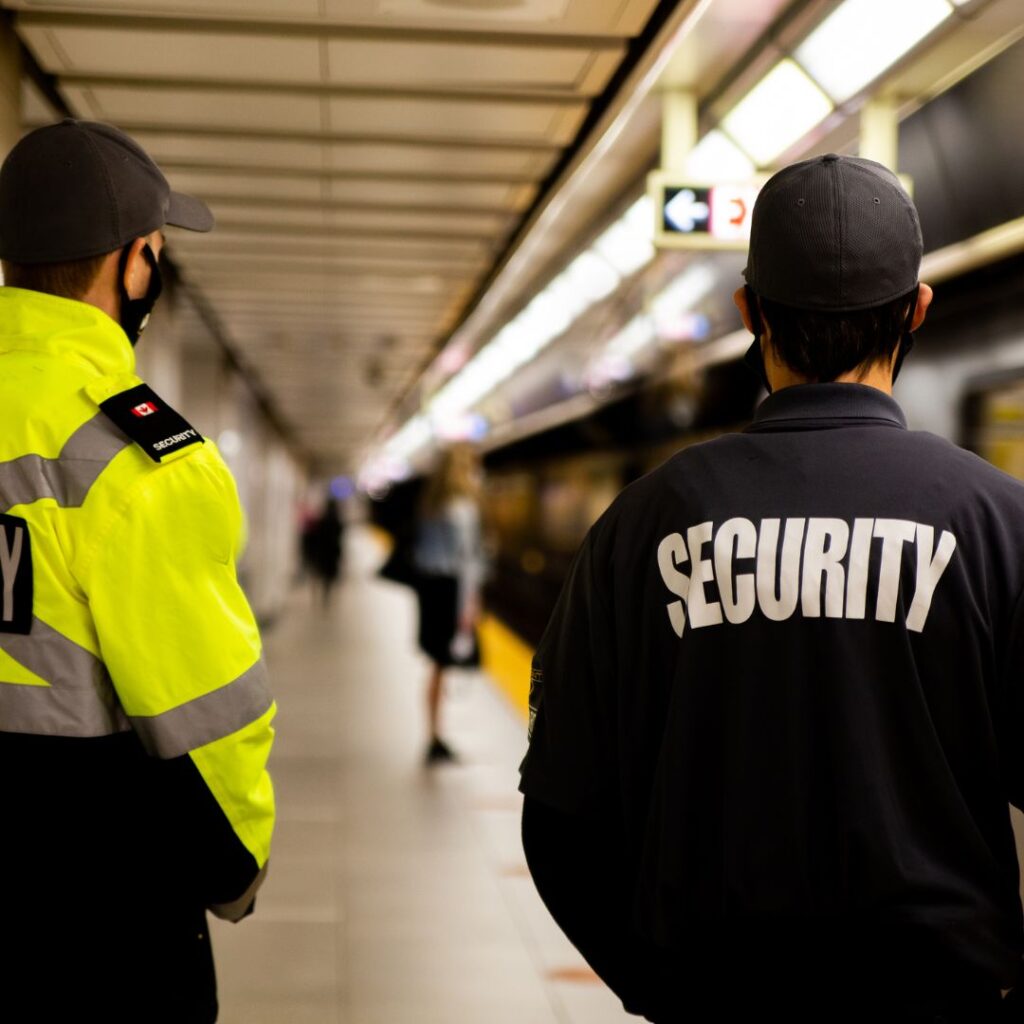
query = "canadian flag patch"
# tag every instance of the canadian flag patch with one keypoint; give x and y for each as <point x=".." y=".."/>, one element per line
<point x="145" y="409"/>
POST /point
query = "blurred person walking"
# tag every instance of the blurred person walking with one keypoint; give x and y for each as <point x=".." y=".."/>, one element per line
<point x="323" y="543"/>
<point x="134" y="709"/>
<point x="448" y="557"/>
<point x="776" y="716"/>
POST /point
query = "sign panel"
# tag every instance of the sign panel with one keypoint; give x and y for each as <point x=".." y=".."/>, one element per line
<point x="692" y="216"/>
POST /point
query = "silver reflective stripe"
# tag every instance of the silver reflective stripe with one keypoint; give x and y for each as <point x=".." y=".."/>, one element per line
<point x="68" y="477"/>
<point x="80" y="700"/>
<point x="207" y="718"/>
<point x="236" y="909"/>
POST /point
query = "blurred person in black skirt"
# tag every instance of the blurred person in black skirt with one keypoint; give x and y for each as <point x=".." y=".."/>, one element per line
<point x="449" y="560"/>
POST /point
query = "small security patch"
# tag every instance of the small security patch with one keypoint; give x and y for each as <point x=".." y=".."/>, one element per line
<point x="15" y="576"/>
<point x="150" y="422"/>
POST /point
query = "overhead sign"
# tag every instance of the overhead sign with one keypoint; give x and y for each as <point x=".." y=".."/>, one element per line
<point x="691" y="216"/>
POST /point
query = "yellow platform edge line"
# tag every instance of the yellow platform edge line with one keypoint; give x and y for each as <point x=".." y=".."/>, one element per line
<point x="506" y="658"/>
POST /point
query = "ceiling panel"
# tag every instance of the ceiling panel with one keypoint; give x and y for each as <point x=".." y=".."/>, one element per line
<point x="366" y="160"/>
<point x="485" y="119"/>
<point x="477" y="66"/>
<point x="34" y="109"/>
<point x="223" y="244"/>
<point x="450" y="161"/>
<point x="167" y="53"/>
<point x="264" y="186"/>
<point x="171" y="148"/>
<point x="597" y="17"/>
<point x="431" y="193"/>
<point x="322" y="273"/>
<point x="211" y="184"/>
<point x="137" y="52"/>
<point x="457" y="222"/>
<point x="308" y="9"/>
<point x="182" y="107"/>
<point x="369" y="317"/>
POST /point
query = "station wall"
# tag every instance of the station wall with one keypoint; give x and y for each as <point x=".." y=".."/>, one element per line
<point x="183" y="362"/>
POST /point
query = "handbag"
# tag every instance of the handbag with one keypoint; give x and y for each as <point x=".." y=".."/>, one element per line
<point x="399" y="566"/>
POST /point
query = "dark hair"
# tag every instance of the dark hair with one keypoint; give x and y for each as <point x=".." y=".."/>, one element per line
<point x="822" y="345"/>
<point x="70" y="280"/>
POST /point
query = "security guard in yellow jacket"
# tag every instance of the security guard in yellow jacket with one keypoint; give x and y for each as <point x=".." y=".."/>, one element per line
<point x="134" y="711"/>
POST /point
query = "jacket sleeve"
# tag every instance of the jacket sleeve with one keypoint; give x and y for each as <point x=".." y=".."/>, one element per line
<point x="581" y="872"/>
<point x="183" y="651"/>
<point x="572" y="760"/>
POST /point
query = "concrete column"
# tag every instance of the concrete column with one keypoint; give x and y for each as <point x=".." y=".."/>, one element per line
<point x="678" y="129"/>
<point x="879" y="133"/>
<point x="10" y="88"/>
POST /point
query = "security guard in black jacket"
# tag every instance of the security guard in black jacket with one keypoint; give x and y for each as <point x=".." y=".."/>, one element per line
<point x="776" y="715"/>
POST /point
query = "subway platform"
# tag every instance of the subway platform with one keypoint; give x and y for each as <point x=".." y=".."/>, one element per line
<point x="397" y="894"/>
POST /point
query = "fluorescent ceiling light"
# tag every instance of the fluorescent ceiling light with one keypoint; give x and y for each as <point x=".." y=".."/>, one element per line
<point x="783" y="107"/>
<point x="628" y="244"/>
<point x="682" y="294"/>
<point x="623" y="249"/>
<point x="715" y="159"/>
<point x="593" y="276"/>
<point x="862" y="38"/>
<point x="637" y="335"/>
<point x="413" y="436"/>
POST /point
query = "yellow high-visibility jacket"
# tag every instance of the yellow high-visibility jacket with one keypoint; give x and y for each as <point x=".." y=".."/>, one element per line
<point x="134" y="709"/>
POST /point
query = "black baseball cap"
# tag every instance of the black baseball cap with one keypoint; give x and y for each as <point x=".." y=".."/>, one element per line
<point x="834" y="233"/>
<point x="81" y="188"/>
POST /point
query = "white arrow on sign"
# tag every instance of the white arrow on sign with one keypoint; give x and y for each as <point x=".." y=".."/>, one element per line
<point x="684" y="212"/>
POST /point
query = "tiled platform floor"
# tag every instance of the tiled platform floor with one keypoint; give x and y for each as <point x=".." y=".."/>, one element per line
<point x="396" y="895"/>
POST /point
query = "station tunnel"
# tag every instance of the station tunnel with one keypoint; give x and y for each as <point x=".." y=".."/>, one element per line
<point x="515" y="225"/>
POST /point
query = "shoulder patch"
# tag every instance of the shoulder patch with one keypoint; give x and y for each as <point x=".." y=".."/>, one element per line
<point x="150" y="422"/>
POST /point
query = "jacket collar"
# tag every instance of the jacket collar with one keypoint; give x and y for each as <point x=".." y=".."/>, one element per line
<point x="822" y="406"/>
<point x="35" y="321"/>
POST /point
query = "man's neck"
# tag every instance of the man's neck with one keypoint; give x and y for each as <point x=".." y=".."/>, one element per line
<point x="874" y="375"/>
<point x="878" y="378"/>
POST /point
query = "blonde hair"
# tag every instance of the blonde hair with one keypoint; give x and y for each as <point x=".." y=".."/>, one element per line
<point x="454" y="477"/>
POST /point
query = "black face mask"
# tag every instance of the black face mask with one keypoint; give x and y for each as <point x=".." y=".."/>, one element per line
<point x="135" y="312"/>
<point x="754" y="358"/>
<point x="907" y="340"/>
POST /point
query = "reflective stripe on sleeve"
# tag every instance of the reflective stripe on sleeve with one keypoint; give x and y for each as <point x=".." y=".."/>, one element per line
<point x="80" y="700"/>
<point x="207" y="718"/>
<point x="68" y="478"/>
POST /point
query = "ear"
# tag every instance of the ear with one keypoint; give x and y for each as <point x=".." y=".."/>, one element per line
<point x="740" y="298"/>
<point x="136" y="270"/>
<point x="924" y="300"/>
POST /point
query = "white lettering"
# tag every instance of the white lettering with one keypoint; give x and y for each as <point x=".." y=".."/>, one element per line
<point x="857" y="574"/>
<point x="10" y="559"/>
<point x="779" y="602"/>
<point x="702" y="613"/>
<point x="672" y="552"/>
<point x="824" y="566"/>
<point x="173" y="439"/>
<point x="824" y="551"/>
<point x="739" y="601"/>
<point x="894" y="533"/>
<point x="929" y="572"/>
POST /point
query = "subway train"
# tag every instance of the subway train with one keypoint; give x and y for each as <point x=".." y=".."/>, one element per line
<point x="964" y="380"/>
